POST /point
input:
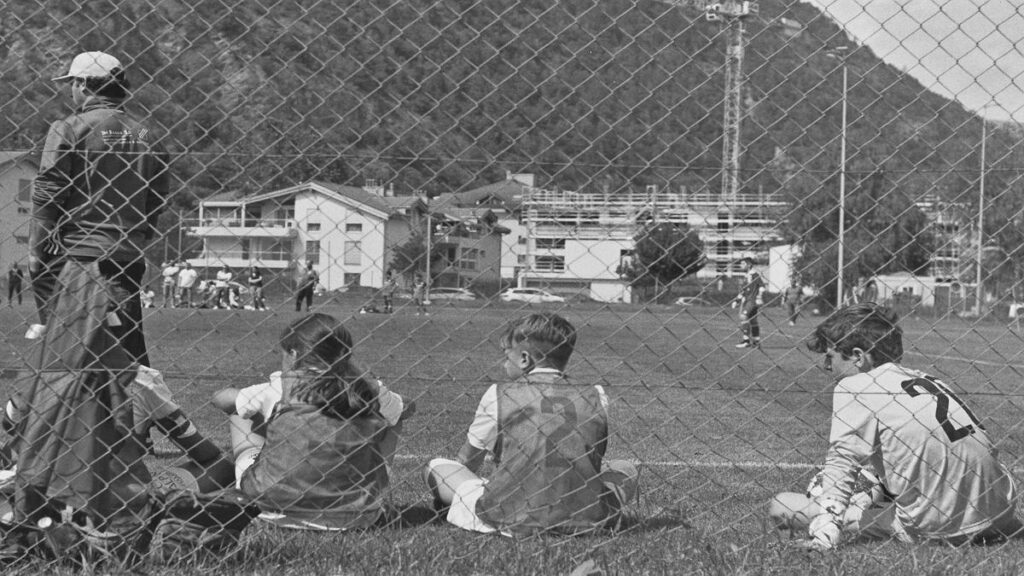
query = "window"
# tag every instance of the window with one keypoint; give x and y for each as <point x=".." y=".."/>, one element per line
<point x="521" y="259"/>
<point x="24" y="190"/>
<point x="549" y="263"/>
<point x="551" y="243"/>
<point x="468" y="258"/>
<point x="352" y="279"/>
<point x="245" y="248"/>
<point x="20" y="239"/>
<point x="353" y="227"/>
<point x="313" y="251"/>
<point x="313" y="227"/>
<point x="22" y="210"/>
<point x="353" y="253"/>
<point x="723" y="221"/>
<point x="521" y="240"/>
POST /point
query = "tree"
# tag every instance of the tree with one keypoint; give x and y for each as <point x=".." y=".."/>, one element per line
<point x="884" y="231"/>
<point x="409" y="259"/>
<point x="663" y="254"/>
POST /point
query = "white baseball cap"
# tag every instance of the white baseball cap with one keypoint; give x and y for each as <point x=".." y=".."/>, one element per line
<point x="92" y="65"/>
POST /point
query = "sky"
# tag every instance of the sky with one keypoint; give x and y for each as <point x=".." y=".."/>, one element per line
<point x="970" y="50"/>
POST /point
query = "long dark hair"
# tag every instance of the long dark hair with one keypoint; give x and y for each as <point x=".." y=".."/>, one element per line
<point x="323" y="350"/>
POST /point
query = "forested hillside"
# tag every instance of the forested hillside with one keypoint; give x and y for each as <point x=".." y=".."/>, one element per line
<point x="449" y="94"/>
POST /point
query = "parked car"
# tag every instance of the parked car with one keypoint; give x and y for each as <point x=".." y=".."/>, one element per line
<point x="450" y="294"/>
<point x="692" y="301"/>
<point x="530" y="296"/>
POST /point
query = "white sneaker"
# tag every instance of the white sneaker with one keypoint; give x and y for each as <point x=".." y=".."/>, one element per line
<point x="743" y="344"/>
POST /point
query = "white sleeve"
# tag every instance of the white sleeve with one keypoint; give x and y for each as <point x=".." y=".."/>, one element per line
<point x="854" y="429"/>
<point x="259" y="399"/>
<point x="483" y="432"/>
<point x="603" y="397"/>
<point x="391" y="404"/>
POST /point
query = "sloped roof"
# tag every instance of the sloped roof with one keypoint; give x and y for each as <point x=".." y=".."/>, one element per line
<point x="507" y="193"/>
<point x="387" y="205"/>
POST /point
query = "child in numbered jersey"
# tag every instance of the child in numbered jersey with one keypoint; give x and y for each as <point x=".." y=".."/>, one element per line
<point x="548" y="436"/>
<point x="939" y="469"/>
<point x="313" y="445"/>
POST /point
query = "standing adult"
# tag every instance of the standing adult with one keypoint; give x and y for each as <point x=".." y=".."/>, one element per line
<point x="170" y="273"/>
<point x="308" y="279"/>
<point x="256" y="288"/>
<point x="750" y="299"/>
<point x="102" y="182"/>
<point x="15" y="282"/>
<point x="186" y="284"/>
<point x="390" y="286"/>
<point x="793" y="297"/>
<point x="221" y="285"/>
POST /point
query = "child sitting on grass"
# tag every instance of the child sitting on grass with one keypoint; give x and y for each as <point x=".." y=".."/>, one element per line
<point x="548" y="436"/>
<point x="937" y="465"/>
<point x="312" y="445"/>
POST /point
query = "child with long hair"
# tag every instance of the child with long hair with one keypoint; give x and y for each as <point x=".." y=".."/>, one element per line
<point x="312" y="446"/>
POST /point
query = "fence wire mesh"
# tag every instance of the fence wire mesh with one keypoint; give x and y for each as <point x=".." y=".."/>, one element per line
<point x="694" y="185"/>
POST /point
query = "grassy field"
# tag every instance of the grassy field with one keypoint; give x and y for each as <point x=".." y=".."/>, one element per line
<point x="716" y="431"/>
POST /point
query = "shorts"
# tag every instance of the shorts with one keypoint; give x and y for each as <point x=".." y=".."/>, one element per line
<point x="462" y="512"/>
<point x="151" y="399"/>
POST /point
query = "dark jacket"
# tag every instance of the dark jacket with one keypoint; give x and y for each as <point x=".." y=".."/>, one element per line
<point x="101" y="185"/>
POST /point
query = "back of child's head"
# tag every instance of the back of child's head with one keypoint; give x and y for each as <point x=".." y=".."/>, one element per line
<point x="323" y="347"/>
<point x="549" y="338"/>
<point x="868" y="326"/>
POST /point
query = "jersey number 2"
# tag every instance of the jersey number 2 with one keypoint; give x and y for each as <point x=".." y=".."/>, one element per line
<point x="929" y="385"/>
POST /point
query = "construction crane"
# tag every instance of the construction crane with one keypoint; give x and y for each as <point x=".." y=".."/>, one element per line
<point x="731" y="13"/>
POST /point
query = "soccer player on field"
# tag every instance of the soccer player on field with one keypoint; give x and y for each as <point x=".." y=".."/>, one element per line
<point x="932" y="454"/>
<point x="548" y="436"/>
<point x="750" y="299"/>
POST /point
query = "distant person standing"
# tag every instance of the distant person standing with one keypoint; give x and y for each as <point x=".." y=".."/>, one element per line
<point x="308" y="279"/>
<point x="15" y="280"/>
<point x="750" y="299"/>
<point x="793" y="298"/>
<point x="186" y="284"/>
<point x="256" y="288"/>
<point x="170" y="274"/>
<point x="222" y="297"/>
<point x="419" y="295"/>
<point x="390" y="286"/>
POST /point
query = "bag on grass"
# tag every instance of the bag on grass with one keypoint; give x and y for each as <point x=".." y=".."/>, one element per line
<point x="196" y="525"/>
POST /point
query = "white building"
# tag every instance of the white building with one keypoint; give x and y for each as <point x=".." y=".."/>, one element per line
<point x="348" y="233"/>
<point x="577" y="243"/>
<point x="17" y="171"/>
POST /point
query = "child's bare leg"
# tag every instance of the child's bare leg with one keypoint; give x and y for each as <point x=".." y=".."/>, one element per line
<point x="443" y="476"/>
<point x="792" y="512"/>
<point x="224" y="400"/>
<point x="246" y="443"/>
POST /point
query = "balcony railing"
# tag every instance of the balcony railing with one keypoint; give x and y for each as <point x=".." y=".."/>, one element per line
<point x="239" y="222"/>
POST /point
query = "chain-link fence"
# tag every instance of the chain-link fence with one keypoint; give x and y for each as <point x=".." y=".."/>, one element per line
<point x="693" y="186"/>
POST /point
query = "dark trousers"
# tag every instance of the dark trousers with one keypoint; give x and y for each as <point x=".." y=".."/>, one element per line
<point x="306" y="294"/>
<point x="14" y="289"/>
<point x="750" y="326"/>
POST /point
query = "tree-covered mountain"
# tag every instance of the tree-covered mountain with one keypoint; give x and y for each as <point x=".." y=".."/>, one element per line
<point x="445" y="95"/>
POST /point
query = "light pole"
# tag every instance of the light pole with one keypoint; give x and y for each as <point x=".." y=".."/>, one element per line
<point x="840" y="53"/>
<point x="979" y="292"/>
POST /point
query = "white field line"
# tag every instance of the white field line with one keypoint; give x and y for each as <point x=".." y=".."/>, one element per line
<point x="967" y="360"/>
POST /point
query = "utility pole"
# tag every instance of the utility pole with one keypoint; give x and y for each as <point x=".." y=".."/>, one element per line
<point x="840" y="53"/>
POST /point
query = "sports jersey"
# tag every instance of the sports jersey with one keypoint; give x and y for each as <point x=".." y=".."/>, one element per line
<point x="551" y="438"/>
<point x="928" y="448"/>
<point x="751" y="292"/>
<point x="320" y="469"/>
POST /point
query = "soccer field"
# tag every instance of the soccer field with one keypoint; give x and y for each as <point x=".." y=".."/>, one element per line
<point x="716" y="431"/>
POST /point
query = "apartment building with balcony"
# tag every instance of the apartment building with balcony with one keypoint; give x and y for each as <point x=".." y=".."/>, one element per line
<point x="345" y="231"/>
<point x="348" y="233"/>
